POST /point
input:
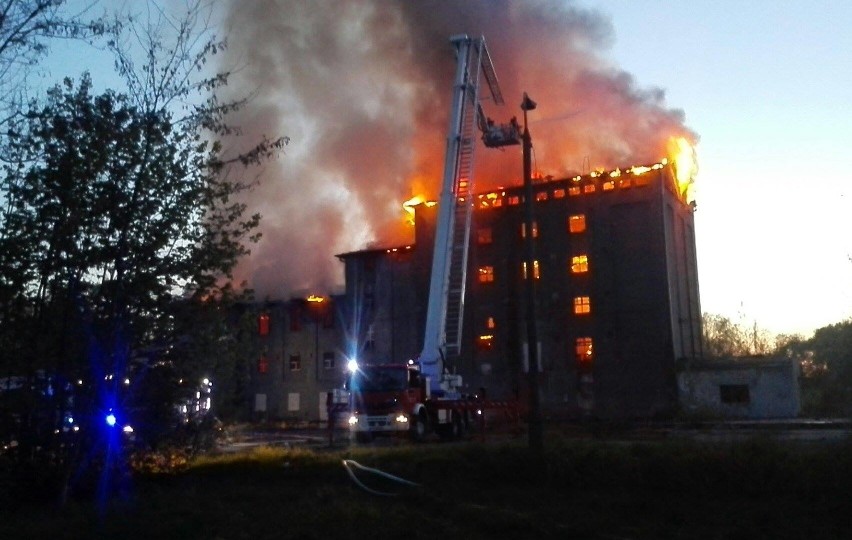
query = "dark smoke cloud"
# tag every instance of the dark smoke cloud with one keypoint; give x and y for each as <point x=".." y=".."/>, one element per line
<point x="362" y="88"/>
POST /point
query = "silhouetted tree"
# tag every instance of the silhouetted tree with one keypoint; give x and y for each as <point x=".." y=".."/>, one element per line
<point x="724" y="338"/>
<point x="120" y="227"/>
<point x="830" y="381"/>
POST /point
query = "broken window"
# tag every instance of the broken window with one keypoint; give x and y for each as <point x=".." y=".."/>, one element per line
<point x="579" y="264"/>
<point x="295" y="318"/>
<point x="295" y="362"/>
<point x="370" y="338"/>
<point x="577" y="223"/>
<point x="734" y="394"/>
<point x="583" y="351"/>
<point x="582" y="305"/>
<point x="263" y="324"/>
<point x="534" y="230"/>
<point x="484" y="235"/>
<point x="485" y="342"/>
<point x="486" y="274"/>
<point x="536" y="273"/>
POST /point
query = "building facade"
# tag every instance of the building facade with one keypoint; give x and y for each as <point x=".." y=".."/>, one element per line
<point x="616" y="293"/>
<point x="753" y="388"/>
<point x="300" y="358"/>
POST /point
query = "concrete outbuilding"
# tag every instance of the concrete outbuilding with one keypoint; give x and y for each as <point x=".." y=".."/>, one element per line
<point x="746" y="388"/>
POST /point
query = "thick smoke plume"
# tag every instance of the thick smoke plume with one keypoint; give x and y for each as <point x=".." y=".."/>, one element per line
<point x="362" y="88"/>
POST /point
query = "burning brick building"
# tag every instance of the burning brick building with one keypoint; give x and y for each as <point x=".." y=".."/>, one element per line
<point x="617" y="301"/>
<point x="300" y="358"/>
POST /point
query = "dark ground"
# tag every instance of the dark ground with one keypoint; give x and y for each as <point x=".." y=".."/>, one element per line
<point x="619" y="484"/>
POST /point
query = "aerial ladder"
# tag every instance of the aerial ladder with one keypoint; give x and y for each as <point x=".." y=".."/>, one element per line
<point x="422" y="397"/>
<point x="445" y="309"/>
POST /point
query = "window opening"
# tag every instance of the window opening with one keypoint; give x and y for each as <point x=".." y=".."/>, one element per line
<point x="577" y="223"/>
<point x="486" y="274"/>
<point x="295" y="362"/>
<point x="579" y="264"/>
<point x="582" y="305"/>
<point x="584" y="350"/>
<point x="536" y="272"/>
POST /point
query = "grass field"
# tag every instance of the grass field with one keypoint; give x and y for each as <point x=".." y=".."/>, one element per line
<point x="578" y="489"/>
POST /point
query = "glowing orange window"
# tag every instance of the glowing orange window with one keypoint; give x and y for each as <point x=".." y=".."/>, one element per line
<point x="589" y="188"/>
<point x="625" y="183"/>
<point x="583" y="350"/>
<point x="263" y="364"/>
<point x="579" y="264"/>
<point x="514" y="200"/>
<point x="609" y="185"/>
<point x="559" y="193"/>
<point x="577" y="223"/>
<point x="536" y="273"/>
<point x="497" y="202"/>
<point x="486" y="274"/>
<point x="541" y="196"/>
<point x="484" y="236"/>
<point x="485" y="342"/>
<point x="574" y="191"/>
<point x="534" y="230"/>
<point x="582" y="305"/>
<point x="490" y="324"/>
<point x="263" y="324"/>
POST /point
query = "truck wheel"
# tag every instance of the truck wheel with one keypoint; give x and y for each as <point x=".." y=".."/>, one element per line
<point x="453" y="430"/>
<point x="419" y="427"/>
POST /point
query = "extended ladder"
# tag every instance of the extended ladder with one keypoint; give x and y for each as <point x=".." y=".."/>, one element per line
<point x="445" y="313"/>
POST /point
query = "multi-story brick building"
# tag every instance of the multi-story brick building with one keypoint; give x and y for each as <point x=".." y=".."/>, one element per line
<point x="617" y="301"/>
<point x="300" y="358"/>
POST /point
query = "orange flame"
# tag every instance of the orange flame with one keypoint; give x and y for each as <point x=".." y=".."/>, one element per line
<point x="409" y="205"/>
<point x="316" y="299"/>
<point x="685" y="165"/>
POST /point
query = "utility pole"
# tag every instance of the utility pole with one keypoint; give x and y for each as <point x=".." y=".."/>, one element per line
<point x="536" y="442"/>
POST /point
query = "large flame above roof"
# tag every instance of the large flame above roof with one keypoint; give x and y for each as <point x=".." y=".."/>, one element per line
<point x="363" y="89"/>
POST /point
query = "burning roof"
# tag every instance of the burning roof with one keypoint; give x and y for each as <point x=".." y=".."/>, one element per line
<point x="363" y="87"/>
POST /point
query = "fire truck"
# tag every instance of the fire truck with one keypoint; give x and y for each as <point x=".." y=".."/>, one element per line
<point x="423" y="396"/>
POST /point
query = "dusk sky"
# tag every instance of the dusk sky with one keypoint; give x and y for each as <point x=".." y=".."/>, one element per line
<point x="767" y="86"/>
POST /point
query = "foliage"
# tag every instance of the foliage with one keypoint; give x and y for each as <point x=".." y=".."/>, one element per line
<point x="724" y="338"/>
<point x="825" y="359"/>
<point x="830" y="384"/>
<point x="120" y="227"/>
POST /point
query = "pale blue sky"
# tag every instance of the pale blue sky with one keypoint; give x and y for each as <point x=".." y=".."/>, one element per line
<point x="767" y="85"/>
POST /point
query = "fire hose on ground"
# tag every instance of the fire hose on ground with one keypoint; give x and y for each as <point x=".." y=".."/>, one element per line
<point x="350" y="464"/>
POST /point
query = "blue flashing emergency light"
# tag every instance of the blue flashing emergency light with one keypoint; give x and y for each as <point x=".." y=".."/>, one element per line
<point x="110" y="419"/>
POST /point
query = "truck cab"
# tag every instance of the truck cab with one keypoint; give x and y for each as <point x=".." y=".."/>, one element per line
<point x="386" y="398"/>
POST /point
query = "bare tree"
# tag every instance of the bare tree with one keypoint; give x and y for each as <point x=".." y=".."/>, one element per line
<point x="724" y="338"/>
<point x="26" y="27"/>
